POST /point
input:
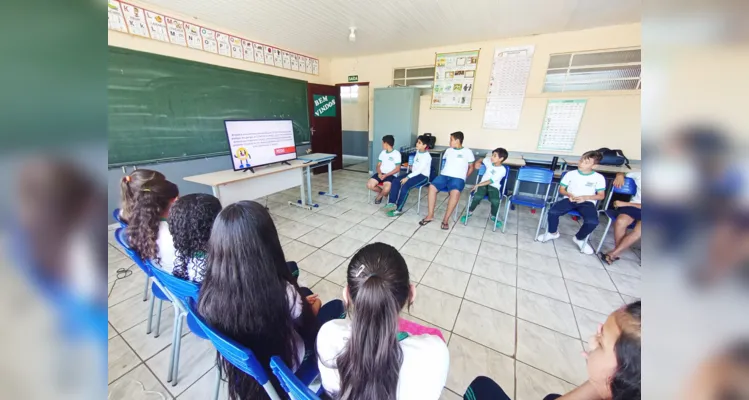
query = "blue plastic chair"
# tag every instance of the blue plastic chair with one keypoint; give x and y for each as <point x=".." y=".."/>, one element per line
<point x="178" y="291"/>
<point x="411" y="158"/>
<point x="119" y="236"/>
<point x="502" y="195"/>
<point x="117" y="217"/>
<point x="531" y="175"/>
<point x="628" y="188"/>
<point x="289" y="382"/>
<point x="233" y="352"/>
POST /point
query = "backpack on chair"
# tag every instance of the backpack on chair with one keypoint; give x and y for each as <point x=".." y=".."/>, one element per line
<point x="613" y="157"/>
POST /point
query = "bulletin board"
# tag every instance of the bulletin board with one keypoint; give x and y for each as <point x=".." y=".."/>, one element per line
<point x="454" y="75"/>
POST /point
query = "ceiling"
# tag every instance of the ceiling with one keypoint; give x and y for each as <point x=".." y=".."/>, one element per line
<point x="320" y="27"/>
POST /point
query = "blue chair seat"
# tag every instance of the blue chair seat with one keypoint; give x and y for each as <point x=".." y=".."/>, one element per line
<point x="195" y="328"/>
<point x="529" y="201"/>
<point x="158" y="293"/>
<point x="309" y="371"/>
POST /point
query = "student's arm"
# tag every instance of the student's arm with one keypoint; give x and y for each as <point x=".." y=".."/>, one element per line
<point x="619" y="203"/>
<point x="484" y="183"/>
<point x="563" y="187"/>
<point x="378" y="168"/>
<point x="600" y="195"/>
<point x="470" y="170"/>
<point x="619" y="180"/>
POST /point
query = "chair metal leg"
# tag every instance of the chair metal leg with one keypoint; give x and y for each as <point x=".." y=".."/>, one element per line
<point x="150" y="315"/>
<point x="218" y="382"/>
<point x="158" y="319"/>
<point x="468" y="205"/>
<point x="145" y="291"/>
<point x="540" y="221"/>
<point x="507" y="214"/>
<point x="177" y="345"/>
<point x="174" y="343"/>
<point x="605" y="232"/>
<point x="496" y="216"/>
<point x="418" y="203"/>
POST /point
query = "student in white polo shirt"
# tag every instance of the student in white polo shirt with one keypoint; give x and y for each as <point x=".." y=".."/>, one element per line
<point x="388" y="166"/>
<point x="581" y="190"/>
<point x="458" y="165"/>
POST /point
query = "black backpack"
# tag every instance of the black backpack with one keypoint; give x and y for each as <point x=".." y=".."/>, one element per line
<point x="432" y="140"/>
<point x="613" y="157"/>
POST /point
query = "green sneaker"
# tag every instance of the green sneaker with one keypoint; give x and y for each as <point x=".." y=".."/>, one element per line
<point x="394" y="213"/>
<point x="464" y="219"/>
<point x="497" y="222"/>
<point x="389" y="207"/>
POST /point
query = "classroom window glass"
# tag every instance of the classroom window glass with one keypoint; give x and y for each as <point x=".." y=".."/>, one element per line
<point x="350" y="94"/>
<point x="594" y="71"/>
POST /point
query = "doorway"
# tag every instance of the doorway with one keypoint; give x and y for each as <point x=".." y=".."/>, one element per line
<point x="355" y="123"/>
<point x="325" y="122"/>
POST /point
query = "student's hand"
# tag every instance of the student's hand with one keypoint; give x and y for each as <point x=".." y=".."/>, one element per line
<point x="473" y="189"/>
<point x="315" y="302"/>
<point x="618" y="203"/>
<point x="381" y="176"/>
<point x="581" y="199"/>
<point x="619" y="180"/>
<point x="404" y="180"/>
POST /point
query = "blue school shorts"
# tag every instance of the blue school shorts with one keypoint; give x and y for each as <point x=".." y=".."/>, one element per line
<point x="633" y="212"/>
<point x="387" y="178"/>
<point x="448" y="183"/>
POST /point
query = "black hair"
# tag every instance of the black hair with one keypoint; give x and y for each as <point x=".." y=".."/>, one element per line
<point x="190" y="222"/>
<point x="626" y="382"/>
<point x="151" y="202"/>
<point x="389" y="139"/>
<point x="423" y="139"/>
<point x="594" y="155"/>
<point x="379" y="287"/>
<point x="501" y="153"/>
<point x="458" y="136"/>
<point x="244" y="294"/>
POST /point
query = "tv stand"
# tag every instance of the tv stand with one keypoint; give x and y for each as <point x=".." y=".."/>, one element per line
<point x="249" y="169"/>
<point x="285" y="162"/>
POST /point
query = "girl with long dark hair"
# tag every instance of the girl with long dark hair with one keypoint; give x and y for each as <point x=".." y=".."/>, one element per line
<point x="130" y="186"/>
<point x="190" y="222"/>
<point x="613" y="363"/>
<point x="147" y="231"/>
<point x="367" y="358"/>
<point x="250" y="294"/>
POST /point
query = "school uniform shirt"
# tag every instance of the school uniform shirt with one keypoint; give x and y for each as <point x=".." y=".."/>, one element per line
<point x="456" y="162"/>
<point x="389" y="161"/>
<point x="493" y="174"/>
<point x="168" y="254"/>
<point x="422" y="374"/>
<point x="580" y="184"/>
<point x="422" y="164"/>
<point x="636" y="176"/>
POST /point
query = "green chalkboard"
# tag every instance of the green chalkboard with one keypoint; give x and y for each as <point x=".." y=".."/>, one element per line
<point x="167" y="109"/>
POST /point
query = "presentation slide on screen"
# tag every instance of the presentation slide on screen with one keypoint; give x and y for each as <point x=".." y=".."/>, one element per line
<point x="255" y="143"/>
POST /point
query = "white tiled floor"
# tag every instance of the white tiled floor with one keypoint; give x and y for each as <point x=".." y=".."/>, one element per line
<point x="510" y="308"/>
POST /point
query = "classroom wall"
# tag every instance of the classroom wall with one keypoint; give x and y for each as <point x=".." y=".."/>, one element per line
<point x="355" y="123"/>
<point x="611" y="119"/>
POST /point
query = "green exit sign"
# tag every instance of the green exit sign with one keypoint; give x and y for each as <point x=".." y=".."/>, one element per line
<point x="353" y="78"/>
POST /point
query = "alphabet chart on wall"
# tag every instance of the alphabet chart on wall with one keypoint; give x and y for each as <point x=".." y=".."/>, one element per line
<point x="561" y="124"/>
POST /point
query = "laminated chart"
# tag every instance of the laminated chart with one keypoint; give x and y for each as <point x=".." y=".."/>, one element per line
<point x="561" y="124"/>
<point x="454" y="74"/>
<point x="507" y="84"/>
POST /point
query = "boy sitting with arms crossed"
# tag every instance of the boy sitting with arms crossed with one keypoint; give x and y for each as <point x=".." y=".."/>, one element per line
<point x="581" y="190"/>
<point x="403" y="184"/>
<point x="458" y="166"/>
<point x="489" y="185"/>
<point x="388" y="164"/>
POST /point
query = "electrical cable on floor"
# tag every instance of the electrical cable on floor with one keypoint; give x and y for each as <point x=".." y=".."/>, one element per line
<point x="143" y="389"/>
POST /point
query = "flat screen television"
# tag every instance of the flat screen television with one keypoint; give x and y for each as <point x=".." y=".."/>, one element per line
<point x="258" y="142"/>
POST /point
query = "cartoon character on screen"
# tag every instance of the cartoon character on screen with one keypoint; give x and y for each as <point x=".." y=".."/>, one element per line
<point x="244" y="157"/>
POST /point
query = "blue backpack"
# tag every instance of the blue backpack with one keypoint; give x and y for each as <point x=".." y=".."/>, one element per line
<point x="613" y="157"/>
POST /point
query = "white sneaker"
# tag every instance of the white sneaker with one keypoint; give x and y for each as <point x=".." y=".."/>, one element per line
<point x="547" y="236"/>
<point x="583" y="245"/>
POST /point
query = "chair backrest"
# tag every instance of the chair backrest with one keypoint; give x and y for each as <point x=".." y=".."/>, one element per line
<point x="117" y="217"/>
<point x="121" y="238"/>
<point x="179" y="288"/>
<point x="442" y="164"/>
<point x="289" y="382"/>
<point x="233" y="352"/>
<point x="628" y="188"/>
<point x="535" y="175"/>
<point x="503" y="182"/>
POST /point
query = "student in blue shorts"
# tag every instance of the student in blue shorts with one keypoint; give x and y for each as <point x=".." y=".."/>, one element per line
<point x="458" y="165"/>
<point x="388" y="165"/>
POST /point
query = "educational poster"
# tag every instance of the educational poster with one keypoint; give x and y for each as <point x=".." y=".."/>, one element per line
<point x="269" y="55"/>
<point x="561" y="123"/>
<point x="454" y="75"/>
<point x="176" y="31"/>
<point x="136" y="21"/>
<point x="127" y="18"/>
<point x="224" y="47"/>
<point x="209" y="40"/>
<point x="193" y="36"/>
<point x="157" y="26"/>
<point x="259" y="53"/>
<point x="115" y="19"/>
<point x="294" y="62"/>
<point x="236" y="48"/>
<point x="507" y="84"/>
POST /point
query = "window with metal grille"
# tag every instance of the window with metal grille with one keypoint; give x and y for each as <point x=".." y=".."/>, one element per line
<point x="599" y="70"/>
<point x="421" y="77"/>
<point x="350" y="94"/>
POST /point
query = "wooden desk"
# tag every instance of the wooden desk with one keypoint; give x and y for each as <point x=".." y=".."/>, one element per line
<point x="515" y="162"/>
<point x="230" y="186"/>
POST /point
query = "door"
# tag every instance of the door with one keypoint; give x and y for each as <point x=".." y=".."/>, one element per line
<point x="326" y="135"/>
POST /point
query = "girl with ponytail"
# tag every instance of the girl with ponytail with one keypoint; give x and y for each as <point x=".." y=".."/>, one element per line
<point x="148" y="230"/>
<point x="131" y="185"/>
<point x="367" y="358"/>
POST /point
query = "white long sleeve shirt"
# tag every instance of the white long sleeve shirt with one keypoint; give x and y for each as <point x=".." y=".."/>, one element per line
<point x="422" y="164"/>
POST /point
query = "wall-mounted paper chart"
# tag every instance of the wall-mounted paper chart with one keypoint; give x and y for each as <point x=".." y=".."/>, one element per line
<point x="454" y="74"/>
<point x="561" y="123"/>
<point x="509" y="78"/>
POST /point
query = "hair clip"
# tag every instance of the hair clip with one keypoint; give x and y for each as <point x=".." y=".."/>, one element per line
<point x="146" y="190"/>
<point x="361" y="269"/>
<point x="126" y="178"/>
